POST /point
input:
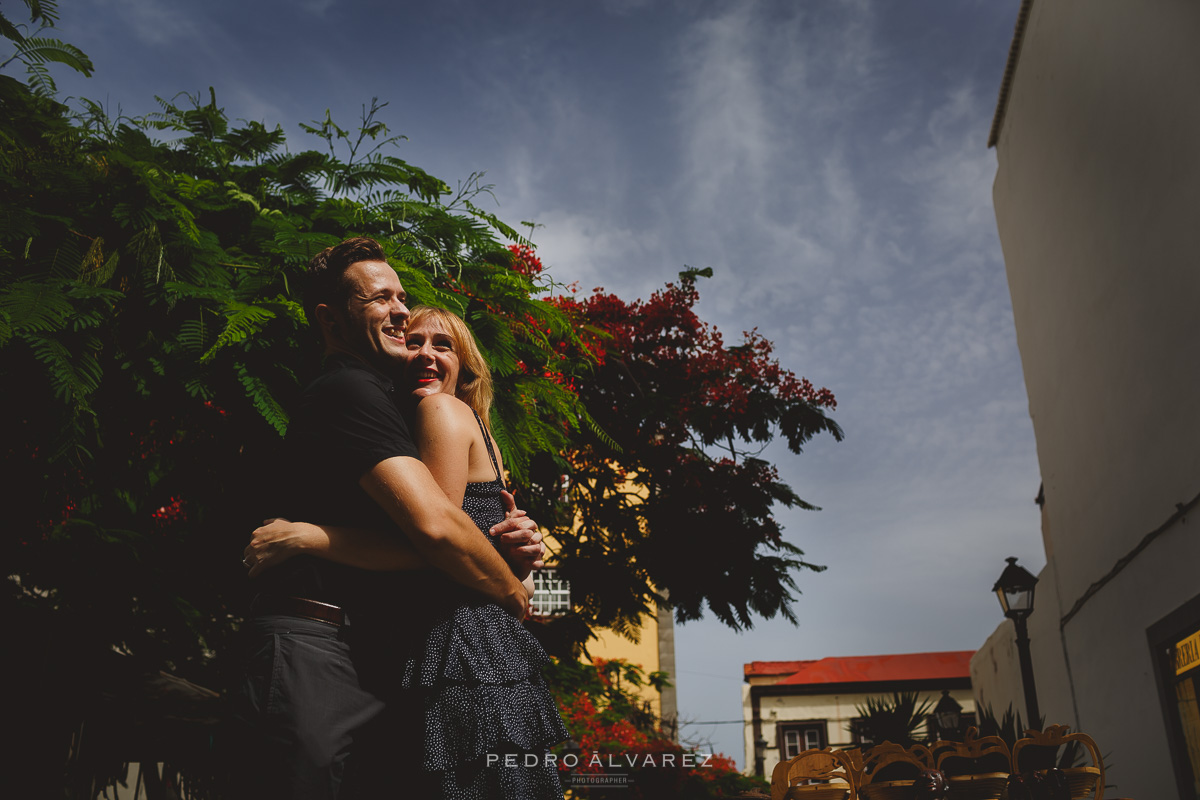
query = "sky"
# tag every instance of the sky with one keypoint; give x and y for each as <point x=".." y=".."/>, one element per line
<point x="828" y="160"/>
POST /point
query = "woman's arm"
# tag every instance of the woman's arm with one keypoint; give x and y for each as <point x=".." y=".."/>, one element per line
<point x="278" y="540"/>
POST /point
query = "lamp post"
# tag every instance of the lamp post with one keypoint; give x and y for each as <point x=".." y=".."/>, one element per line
<point x="760" y="756"/>
<point x="1015" y="590"/>
<point x="947" y="714"/>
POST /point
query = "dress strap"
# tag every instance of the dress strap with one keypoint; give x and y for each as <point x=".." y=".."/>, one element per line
<point x="487" y="440"/>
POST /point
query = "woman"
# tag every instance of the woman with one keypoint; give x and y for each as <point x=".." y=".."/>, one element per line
<point x="477" y="670"/>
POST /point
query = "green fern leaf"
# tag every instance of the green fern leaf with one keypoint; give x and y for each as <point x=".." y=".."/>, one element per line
<point x="245" y="321"/>
<point x="264" y="401"/>
<point x="193" y="334"/>
<point x="31" y="306"/>
<point x="72" y="377"/>
<point x="40" y="50"/>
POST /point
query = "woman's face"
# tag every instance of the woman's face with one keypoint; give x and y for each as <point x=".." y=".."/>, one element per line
<point x="433" y="364"/>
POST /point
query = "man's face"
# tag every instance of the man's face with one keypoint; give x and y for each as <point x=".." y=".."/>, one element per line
<point x="371" y="326"/>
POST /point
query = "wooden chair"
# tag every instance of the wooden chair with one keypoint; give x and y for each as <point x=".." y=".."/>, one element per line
<point x="976" y="768"/>
<point x="882" y="760"/>
<point x="1083" y="780"/>
<point x="824" y="774"/>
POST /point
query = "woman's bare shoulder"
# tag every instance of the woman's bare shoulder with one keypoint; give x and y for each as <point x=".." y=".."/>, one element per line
<point x="444" y="409"/>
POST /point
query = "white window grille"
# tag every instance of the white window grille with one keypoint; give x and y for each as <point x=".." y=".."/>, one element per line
<point x="791" y="744"/>
<point x="552" y="595"/>
<point x="796" y="737"/>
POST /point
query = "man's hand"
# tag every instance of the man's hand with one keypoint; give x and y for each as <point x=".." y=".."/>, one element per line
<point x="519" y="539"/>
<point x="275" y="542"/>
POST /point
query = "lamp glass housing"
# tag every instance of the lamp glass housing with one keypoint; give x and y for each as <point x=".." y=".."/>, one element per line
<point x="1016" y="602"/>
<point x="1015" y="590"/>
<point x="948" y="713"/>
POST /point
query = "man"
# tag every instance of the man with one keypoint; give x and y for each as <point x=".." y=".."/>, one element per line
<point x="326" y="636"/>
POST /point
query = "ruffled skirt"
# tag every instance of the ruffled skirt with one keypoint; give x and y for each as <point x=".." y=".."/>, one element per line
<point x="489" y="719"/>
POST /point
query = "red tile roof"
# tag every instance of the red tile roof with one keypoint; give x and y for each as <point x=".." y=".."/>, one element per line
<point x="756" y="668"/>
<point x="867" y="669"/>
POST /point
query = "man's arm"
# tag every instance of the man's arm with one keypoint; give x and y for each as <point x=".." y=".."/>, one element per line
<point x="366" y="548"/>
<point x="441" y="532"/>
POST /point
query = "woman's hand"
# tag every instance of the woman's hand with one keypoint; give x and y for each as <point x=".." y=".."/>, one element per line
<point x="519" y="540"/>
<point x="276" y="541"/>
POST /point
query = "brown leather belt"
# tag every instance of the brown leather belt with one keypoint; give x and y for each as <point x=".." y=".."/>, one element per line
<point x="298" y="607"/>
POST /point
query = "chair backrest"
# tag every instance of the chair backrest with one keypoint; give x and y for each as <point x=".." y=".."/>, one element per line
<point x="918" y="758"/>
<point x="976" y="749"/>
<point x="825" y="765"/>
<point x="1055" y="736"/>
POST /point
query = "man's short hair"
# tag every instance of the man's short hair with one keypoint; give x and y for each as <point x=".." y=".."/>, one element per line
<point x="326" y="273"/>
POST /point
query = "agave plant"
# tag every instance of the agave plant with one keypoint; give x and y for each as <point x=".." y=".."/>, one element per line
<point x="897" y="719"/>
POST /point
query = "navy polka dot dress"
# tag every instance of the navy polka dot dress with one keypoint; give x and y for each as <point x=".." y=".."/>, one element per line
<point x="489" y="719"/>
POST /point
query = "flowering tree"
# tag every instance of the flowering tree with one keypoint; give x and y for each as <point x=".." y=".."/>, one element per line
<point x="668" y="499"/>
<point x="613" y="734"/>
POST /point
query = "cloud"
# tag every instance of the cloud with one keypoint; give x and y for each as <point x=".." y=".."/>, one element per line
<point x="953" y="170"/>
<point x="154" y="23"/>
<point x="762" y="109"/>
<point x="591" y="253"/>
<point x="318" y="7"/>
<point x="623" y="8"/>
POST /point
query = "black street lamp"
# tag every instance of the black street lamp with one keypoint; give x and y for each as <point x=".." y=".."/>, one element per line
<point x="1015" y="590"/>
<point x="948" y="715"/>
<point x="760" y="757"/>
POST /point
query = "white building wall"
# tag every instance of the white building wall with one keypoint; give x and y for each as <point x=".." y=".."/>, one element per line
<point x="1111" y="664"/>
<point x="748" y="732"/>
<point x="1097" y="200"/>
<point x="836" y="709"/>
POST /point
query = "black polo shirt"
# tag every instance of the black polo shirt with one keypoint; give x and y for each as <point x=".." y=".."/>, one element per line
<point x="345" y="423"/>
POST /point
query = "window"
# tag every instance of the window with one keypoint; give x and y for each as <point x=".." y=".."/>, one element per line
<point x="796" y="737"/>
<point x="1175" y="642"/>
<point x="552" y="595"/>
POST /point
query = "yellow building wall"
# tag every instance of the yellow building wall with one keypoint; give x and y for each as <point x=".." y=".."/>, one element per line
<point x="609" y="645"/>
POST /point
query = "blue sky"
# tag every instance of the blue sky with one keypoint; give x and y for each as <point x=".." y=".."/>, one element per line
<point x="827" y="159"/>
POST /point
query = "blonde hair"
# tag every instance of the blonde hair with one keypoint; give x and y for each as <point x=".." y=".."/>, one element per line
<point x="475" y="377"/>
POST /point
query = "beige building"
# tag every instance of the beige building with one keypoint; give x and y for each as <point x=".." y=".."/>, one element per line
<point x="794" y="706"/>
<point x="1097" y="198"/>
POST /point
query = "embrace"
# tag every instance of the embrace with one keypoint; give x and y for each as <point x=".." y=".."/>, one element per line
<point x="386" y="654"/>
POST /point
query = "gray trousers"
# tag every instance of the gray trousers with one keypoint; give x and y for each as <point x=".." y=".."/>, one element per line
<point x="322" y="715"/>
